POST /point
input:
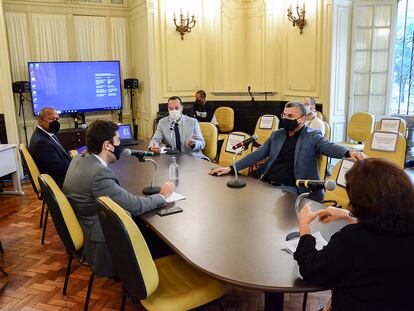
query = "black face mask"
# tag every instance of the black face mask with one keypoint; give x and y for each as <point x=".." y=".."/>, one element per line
<point x="198" y="102"/>
<point x="288" y="125"/>
<point x="54" y="127"/>
<point x="117" y="151"/>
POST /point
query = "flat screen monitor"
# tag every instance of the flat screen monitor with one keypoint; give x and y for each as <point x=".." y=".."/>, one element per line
<point x="72" y="87"/>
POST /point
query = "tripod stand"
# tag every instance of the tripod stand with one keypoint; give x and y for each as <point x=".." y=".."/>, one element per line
<point x="131" y="103"/>
<point x="21" y="111"/>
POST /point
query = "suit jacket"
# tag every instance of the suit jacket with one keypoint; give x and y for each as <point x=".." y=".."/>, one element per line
<point x="86" y="180"/>
<point x="310" y="144"/>
<point x="50" y="157"/>
<point x="188" y="127"/>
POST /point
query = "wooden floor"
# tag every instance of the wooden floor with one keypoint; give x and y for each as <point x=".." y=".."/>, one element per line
<point x="36" y="272"/>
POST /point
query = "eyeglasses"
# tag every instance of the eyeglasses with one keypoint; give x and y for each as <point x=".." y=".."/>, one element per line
<point x="289" y="116"/>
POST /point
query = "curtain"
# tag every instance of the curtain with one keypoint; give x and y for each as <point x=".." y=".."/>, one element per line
<point x="91" y="38"/>
<point x="50" y="37"/>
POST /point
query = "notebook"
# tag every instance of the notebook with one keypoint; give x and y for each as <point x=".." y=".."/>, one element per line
<point x="125" y="134"/>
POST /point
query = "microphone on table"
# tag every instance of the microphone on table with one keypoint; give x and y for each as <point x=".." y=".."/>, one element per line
<point x="312" y="185"/>
<point x="138" y="153"/>
<point x="316" y="184"/>
<point x="245" y="142"/>
<point x="141" y="157"/>
<point x="239" y="147"/>
<point x="250" y="93"/>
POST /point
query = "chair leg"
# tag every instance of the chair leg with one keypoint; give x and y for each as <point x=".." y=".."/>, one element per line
<point x="65" y="285"/>
<point x="305" y="301"/>
<point x="123" y="300"/>
<point x="44" y="226"/>
<point x="4" y="272"/>
<point x="42" y="212"/>
<point x="88" y="294"/>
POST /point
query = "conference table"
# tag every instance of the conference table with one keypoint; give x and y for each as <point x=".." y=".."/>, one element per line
<point x="233" y="235"/>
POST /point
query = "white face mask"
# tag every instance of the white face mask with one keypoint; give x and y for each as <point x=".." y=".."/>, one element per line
<point x="175" y="114"/>
<point x="308" y="110"/>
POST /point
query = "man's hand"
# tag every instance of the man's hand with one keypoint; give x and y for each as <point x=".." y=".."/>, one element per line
<point x="220" y="171"/>
<point x="191" y="142"/>
<point x="167" y="189"/>
<point x="331" y="213"/>
<point x="156" y="149"/>
<point x="357" y="155"/>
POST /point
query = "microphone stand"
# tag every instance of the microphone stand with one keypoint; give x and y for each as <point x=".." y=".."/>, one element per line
<point x="236" y="183"/>
<point x="151" y="189"/>
<point x="175" y="150"/>
<point x="296" y="234"/>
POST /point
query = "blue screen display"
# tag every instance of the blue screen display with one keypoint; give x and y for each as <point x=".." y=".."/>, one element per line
<point x="72" y="87"/>
<point x="125" y="132"/>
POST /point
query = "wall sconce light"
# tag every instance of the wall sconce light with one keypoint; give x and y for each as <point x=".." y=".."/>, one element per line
<point x="299" y="21"/>
<point x="185" y="25"/>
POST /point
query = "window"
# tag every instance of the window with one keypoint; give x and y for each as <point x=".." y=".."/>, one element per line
<point x="402" y="101"/>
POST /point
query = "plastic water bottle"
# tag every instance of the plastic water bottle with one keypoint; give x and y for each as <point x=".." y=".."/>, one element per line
<point x="173" y="171"/>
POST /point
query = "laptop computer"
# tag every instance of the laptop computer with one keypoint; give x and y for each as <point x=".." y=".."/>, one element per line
<point x="125" y="134"/>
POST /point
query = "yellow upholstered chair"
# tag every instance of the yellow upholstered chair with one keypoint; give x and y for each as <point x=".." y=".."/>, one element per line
<point x="359" y="128"/>
<point x="34" y="173"/>
<point x="264" y="134"/>
<point x="338" y="195"/>
<point x="319" y="115"/>
<point x="402" y="128"/>
<point x="168" y="283"/>
<point x="398" y="156"/>
<point x="322" y="159"/>
<point x="210" y="135"/>
<point x="226" y="158"/>
<point x="225" y="120"/>
<point x="73" y="153"/>
<point x="65" y="221"/>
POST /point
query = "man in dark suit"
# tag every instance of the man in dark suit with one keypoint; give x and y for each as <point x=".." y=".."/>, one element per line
<point x="88" y="178"/>
<point x="50" y="157"/>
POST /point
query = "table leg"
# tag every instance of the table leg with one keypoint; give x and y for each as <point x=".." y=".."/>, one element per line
<point x="273" y="301"/>
<point x="16" y="185"/>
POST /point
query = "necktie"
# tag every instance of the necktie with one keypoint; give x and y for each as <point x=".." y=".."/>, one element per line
<point x="54" y="137"/>
<point x="177" y="137"/>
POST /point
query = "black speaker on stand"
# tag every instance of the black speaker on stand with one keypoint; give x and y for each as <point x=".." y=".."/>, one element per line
<point x="20" y="87"/>
<point x="132" y="84"/>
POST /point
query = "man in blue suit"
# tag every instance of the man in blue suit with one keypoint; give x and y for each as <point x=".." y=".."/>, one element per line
<point x="292" y="152"/>
<point x="50" y="157"/>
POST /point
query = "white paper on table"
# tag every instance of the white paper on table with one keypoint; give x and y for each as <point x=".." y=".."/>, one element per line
<point x="175" y="197"/>
<point x="163" y="149"/>
<point x="291" y="245"/>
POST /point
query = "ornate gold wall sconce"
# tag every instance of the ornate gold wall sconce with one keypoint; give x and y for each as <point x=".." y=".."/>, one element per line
<point x="185" y="24"/>
<point x="300" y="20"/>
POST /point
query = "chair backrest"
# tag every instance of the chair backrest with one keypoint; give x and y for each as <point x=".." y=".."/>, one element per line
<point x="63" y="216"/>
<point x="264" y="133"/>
<point x="327" y="134"/>
<point x="319" y="115"/>
<point x="226" y="158"/>
<point x="398" y="156"/>
<point x="210" y="134"/>
<point x="339" y="194"/>
<point x="323" y="159"/>
<point x="32" y="169"/>
<point x="73" y="153"/>
<point x="402" y="129"/>
<point x="129" y="252"/>
<point x="225" y="119"/>
<point x="360" y="126"/>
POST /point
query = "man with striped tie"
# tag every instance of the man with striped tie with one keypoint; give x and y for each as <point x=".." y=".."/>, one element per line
<point x="50" y="157"/>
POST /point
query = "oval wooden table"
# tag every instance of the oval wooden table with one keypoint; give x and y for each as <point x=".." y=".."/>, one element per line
<point x="233" y="235"/>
